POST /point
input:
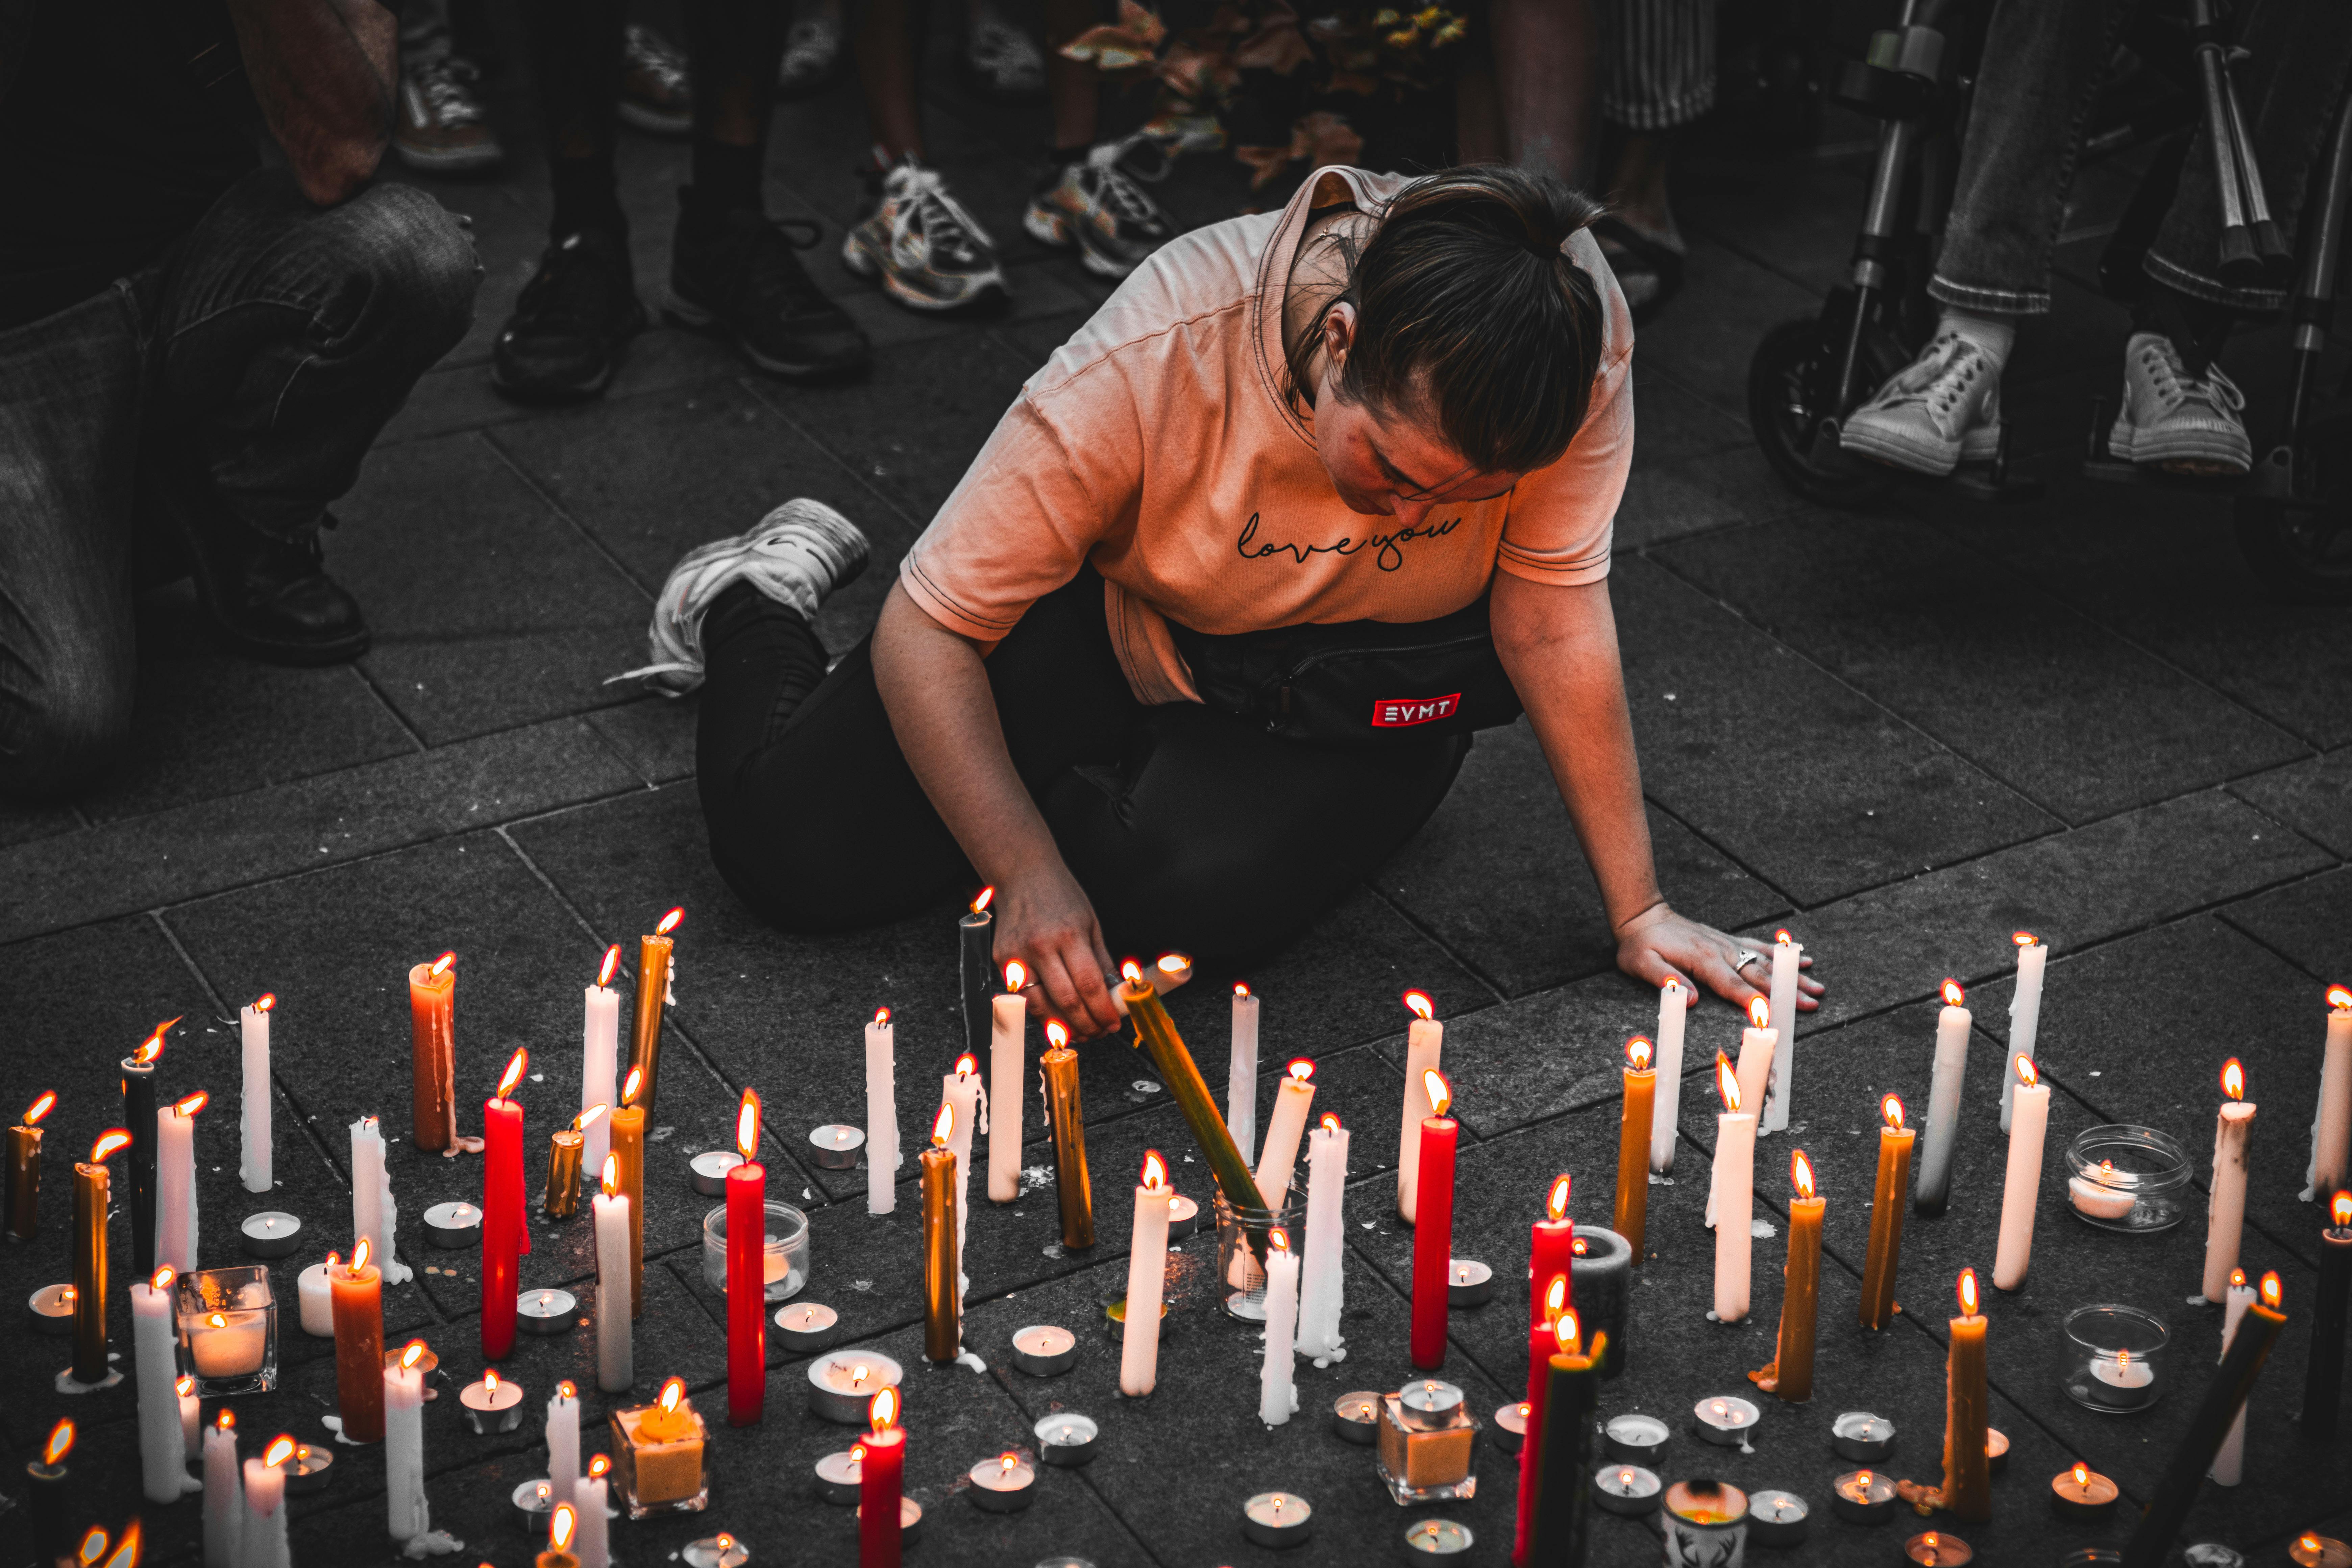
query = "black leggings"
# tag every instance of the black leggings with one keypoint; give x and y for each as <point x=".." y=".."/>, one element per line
<point x="1190" y="829"/>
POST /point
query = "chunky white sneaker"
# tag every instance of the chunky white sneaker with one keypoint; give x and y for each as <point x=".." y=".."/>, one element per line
<point x="797" y="555"/>
<point x="2187" y="423"/>
<point x="929" y="253"/>
<point x="1942" y="407"/>
<point x="1096" y="206"/>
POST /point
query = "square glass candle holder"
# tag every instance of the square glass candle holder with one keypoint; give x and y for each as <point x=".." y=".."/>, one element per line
<point x="788" y="1250"/>
<point x="657" y="1472"/>
<point x="2112" y="1359"/>
<point x="2126" y="1178"/>
<point x="228" y="1330"/>
<point x="1242" y="1247"/>
<point x="1422" y="1457"/>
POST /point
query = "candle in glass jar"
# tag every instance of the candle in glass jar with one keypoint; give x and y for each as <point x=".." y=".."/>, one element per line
<point x="747" y="1242"/>
<point x="1007" y="1046"/>
<point x="1952" y="1024"/>
<point x="1630" y="1217"/>
<point x="2020" y="1189"/>
<point x="1674" y="1007"/>
<point x="881" y="1114"/>
<point x="1886" y="1202"/>
<point x="433" y="1070"/>
<point x="657" y="972"/>
<point x="600" y="1049"/>
<point x="1292" y="1101"/>
<point x="24" y="1168"/>
<point x="505" y="1236"/>
<point x="1147" y="1267"/>
<point x="1424" y="1043"/>
<point x="2225" y="1213"/>
<point x="358" y="1295"/>
<point x="1790" y="1373"/>
<point x="1433" y="1234"/>
<point x="1241" y="1075"/>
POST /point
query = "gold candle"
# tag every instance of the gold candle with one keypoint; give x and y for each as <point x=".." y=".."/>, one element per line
<point x="433" y="1054"/>
<point x="1155" y="1032"/>
<point x="943" y="1330"/>
<point x="90" y="1363"/>
<point x="1630" y="1216"/>
<point x="563" y="1199"/>
<point x="1067" y="1117"/>
<point x="1886" y="1204"/>
<point x="628" y="1154"/>
<point x="656" y="958"/>
<point x="24" y="1169"/>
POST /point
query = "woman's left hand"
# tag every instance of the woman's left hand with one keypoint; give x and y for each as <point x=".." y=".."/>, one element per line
<point x="1658" y="942"/>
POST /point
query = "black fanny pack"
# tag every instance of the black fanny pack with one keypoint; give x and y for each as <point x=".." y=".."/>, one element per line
<point x="1360" y="682"/>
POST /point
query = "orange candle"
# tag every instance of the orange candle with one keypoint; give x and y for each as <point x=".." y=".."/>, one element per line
<point x="433" y="1060"/>
<point x="1967" y="1491"/>
<point x="1886" y="1204"/>
<point x="358" y="1290"/>
<point x="91" y="1190"/>
<point x="655" y="956"/>
<point x="25" y="1169"/>
<point x="1633" y="1145"/>
<point x="1791" y="1375"/>
<point x="628" y="1156"/>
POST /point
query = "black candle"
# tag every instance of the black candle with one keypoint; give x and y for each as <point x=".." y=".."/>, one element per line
<point x="139" y="1120"/>
<point x="46" y="1480"/>
<point x="1602" y="1264"/>
<point x="1564" y="1499"/>
<point x="2323" y="1386"/>
<point x="976" y="932"/>
<point x="2151" y="1542"/>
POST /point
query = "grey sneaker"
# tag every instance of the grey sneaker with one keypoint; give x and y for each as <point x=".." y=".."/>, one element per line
<point x="2180" y="422"/>
<point x="797" y="555"/>
<point x="929" y="253"/>
<point x="1096" y="206"/>
<point x="1941" y="408"/>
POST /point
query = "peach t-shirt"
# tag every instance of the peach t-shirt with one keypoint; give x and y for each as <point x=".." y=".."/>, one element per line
<point x="1156" y="443"/>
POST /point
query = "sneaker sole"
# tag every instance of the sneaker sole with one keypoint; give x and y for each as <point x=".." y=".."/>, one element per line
<point x="681" y="312"/>
<point x="2183" y="451"/>
<point x="860" y="259"/>
<point x="556" y="394"/>
<point x="655" y="122"/>
<point x="1047" y="226"/>
<point x="449" y="160"/>
<point x="1919" y="456"/>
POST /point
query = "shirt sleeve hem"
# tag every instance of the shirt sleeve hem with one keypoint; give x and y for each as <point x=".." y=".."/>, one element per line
<point x="1557" y="575"/>
<point x="935" y="601"/>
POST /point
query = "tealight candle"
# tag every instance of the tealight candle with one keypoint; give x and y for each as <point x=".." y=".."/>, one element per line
<point x="803" y="1325"/>
<point x="2313" y="1550"/>
<point x="1045" y="1350"/>
<point x="493" y="1404"/>
<point x="309" y="1470"/>
<point x="51" y="1309"/>
<point x="1996" y="1450"/>
<point x="2122" y="1381"/>
<point x="1776" y="1518"/>
<point x="317" y="1300"/>
<point x="1640" y="1439"/>
<point x="839" y="1477"/>
<point x="1935" y="1549"/>
<point x="454" y="1225"/>
<point x="1003" y="1485"/>
<point x="844" y="1383"/>
<point x="1863" y="1497"/>
<point x="1277" y="1519"/>
<point x="1428" y="1404"/>
<point x="710" y="1170"/>
<point x="1115" y="1320"/>
<point x="2084" y="1496"/>
<point x="1468" y="1283"/>
<point x="270" y="1233"/>
<point x="715" y="1552"/>
<point x="1356" y="1418"/>
<point x="534" y="1502"/>
<point x="1438" y="1537"/>
<point x="1703" y="1521"/>
<point x="1726" y="1419"/>
<point x="1183" y="1217"/>
<point x="1510" y="1429"/>
<point x="548" y="1311"/>
<point x="1626" y="1489"/>
<point x="835" y="1146"/>
<point x="1065" y="1438"/>
<point x="1860" y="1434"/>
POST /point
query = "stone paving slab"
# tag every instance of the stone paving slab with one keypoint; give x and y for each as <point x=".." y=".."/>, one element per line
<point x="2312" y="797"/>
<point x="2310" y="923"/>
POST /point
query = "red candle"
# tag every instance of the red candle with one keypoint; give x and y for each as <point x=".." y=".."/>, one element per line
<point x="881" y="1469"/>
<point x="505" y="1236"/>
<point x="747" y="1271"/>
<point x="1432" y="1232"/>
<point x="1541" y="1343"/>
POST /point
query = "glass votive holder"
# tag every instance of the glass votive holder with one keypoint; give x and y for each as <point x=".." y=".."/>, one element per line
<point x="787" y="1268"/>
<point x="2128" y="1178"/>
<point x="228" y="1330"/>
<point x="2112" y="1358"/>
<point x="1242" y="1247"/>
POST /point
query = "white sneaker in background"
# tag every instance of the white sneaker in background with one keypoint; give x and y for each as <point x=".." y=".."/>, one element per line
<point x="797" y="555"/>
<point x="1942" y="407"/>
<point x="2185" y="423"/>
<point x="930" y="254"/>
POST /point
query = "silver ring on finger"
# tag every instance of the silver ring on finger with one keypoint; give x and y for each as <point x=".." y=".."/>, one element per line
<point x="1746" y="957"/>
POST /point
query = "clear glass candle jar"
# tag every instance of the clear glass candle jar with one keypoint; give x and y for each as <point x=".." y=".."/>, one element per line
<point x="787" y="1266"/>
<point x="228" y="1330"/>
<point x="2128" y="1178"/>
<point x="2111" y="1358"/>
<point x="1241" y="1246"/>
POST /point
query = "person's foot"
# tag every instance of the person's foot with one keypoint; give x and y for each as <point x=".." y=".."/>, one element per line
<point x="575" y="316"/>
<point x="813" y="57"/>
<point x="2182" y="423"/>
<point x="1941" y="408"/>
<point x="267" y="596"/>
<point x="797" y="555"/>
<point x="739" y="278"/>
<point x="1003" y="60"/>
<point x="657" y="94"/>
<point x="929" y="253"/>
<point x="439" y="126"/>
<point x="1095" y="204"/>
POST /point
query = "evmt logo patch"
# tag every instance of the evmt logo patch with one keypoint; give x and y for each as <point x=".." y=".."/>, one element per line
<point x="1397" y="712"/>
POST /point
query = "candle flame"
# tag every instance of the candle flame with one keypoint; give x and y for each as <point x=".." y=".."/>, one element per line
<point x="126" y="1553"/>
<point x="631" y="1085"/>
<point x="587" y="1118"/>
<point x="966" y="1065"/>
<point x="162" y="1279"/>
<point x="597" y="1465"/>
<point x="358" y="1257"/>
<point x="1555" y="1297"/>
<point x="1891" y="1107"/>
<point x="1638" y="1053"/>
<point x="747" y="1125"/>
<point x="943" y="1124"/>
<point x="513" y="1075"/>
<point x="1800" y="1174"/>
<point x="1301" y="1069"/>
<point x="1727" y="1084"/>
<point x="1953" y="994"/>
<point x="1783" y="936"/>
<point x="2025" y="1073"/>
<point x="1016" y="975"/>
<point x="2309" y="1541"/>
<point x="726" y="1544"/>
<point x="980" y="905"/>
<point x="559" y="1527"/>
<point x="61" y="1442"/>
<point x="1330" y="1122"/>
<point x="672" y="1394"/>
<point x="1670" y="983"/>
<point x="1566" y="1333"/>
<point x="1008" y="1460"/>
<point x="612" y="1182"/>
<point x="226" y="1420"/>
<point x="217" y="1321"/>
<point x="2339" y="1209"/>
<point x="1057" y="1033"/>
<point x="604" y="970"/>
<point x="440" y="965"/>
<point x="2237" y="1278"/>
<point x="669" y="923"/>
<point x="1155" y="1170"/>
<point x="1759" y="1012"/>
<point x="881" y="1017"/>
<point x="411" y="1353"/>
<point x="1422" y="1007"/>
<point x="1967" y="1292"/>
<point x="1174" y="963"/>
<point x="183" y="1386"/>
<point x="41" y="1107"/>
<point x="2233" y="1078"/>
<point x="1440" y="1092"/>
<point x="1581" y="1247"/>
<point x="2340" y="997"/>
<point x="109" y="1142"/>
<point x="882" y="1410"/>
<point x="93" y="1546"/>
<point x="1278" y="1239"/>
<point x="152" y="1046"/>
<point x="1241" y="988"/>
<point x="1130" y="972"/>
<point x="280" y="1450"/>
<point x="2273" y="1291"/>
<point x="189" y="1104"/>
<point x="1555" y="1201"/>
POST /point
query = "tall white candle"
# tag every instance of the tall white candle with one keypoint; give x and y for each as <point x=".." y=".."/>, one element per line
<point x="224" y="1498"/>
<point x="1734" y="1186"/>
<point x="317" y="1300"/>
<point x="176" y="1183"/>
<point x="261" y="1536"/>
<point x="192" y="1419"/>
<point x="589" y="1544"/>
<point x="2025" y="1013"/>
<point x="1759" y="1044"/>
<point x="881" y="1114"/>
<point x="615" y="1357"/>
<point x="960" y="1089"/>
<point x="253" y="1108"/>
<point x="1321" y="1277"/>
<point x="1424" y="1041"/>
<point x="564" y="1444"/>
<point x="1147" y="1269"/>
<point x="600" y="1053"/>
<point x="1277" y="1397"/>
<point x="1934" y="1188"/>
<point x="2331" y="1120"/>
<point x="1241" y="1076"/>
<point x="2021" y="1188"/>
<point x="2230" y="1460"/>
<point x="409" y="1515"/>
<point x="374" y="1214"/>
<point x="1008" y="1017"/>
<point x="163" y="1451"/>
<point x="1674" y="1004"/>
<point x="2225" y="1207"/>
<point x="1283" y="1131"/>
<point x="1787" y="956"/>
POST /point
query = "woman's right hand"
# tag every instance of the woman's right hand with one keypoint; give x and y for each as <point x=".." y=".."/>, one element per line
<point x="1046" y="920"/>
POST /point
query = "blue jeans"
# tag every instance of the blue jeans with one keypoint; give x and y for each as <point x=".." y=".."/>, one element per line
<point x="271" y="342"/>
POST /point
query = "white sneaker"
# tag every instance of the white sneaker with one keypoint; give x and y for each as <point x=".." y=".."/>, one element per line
<point x="797" y="555"/>
<point x="1942" y="407"/>
<point x="929" y="253"/>
<point x="2187" y="423"/>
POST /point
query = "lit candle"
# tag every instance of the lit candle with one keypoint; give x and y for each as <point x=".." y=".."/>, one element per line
<point x="2323" y="1386"/>
<point x="615" y="1357"/>
<point x="1601" y="1284"/>
<point x="24" y="1168"/>
<point x="2175" y="1492"/>
<point x="1004" y="1484"/>
<point x="45" y="1483"/>
<point x="1147" y="1268"/>
<point x="563" y="1433"/>
<point x="656" y="973"/>
<point x="1156" y="1035"/>
<point x="881" y="1472"/>
<point x="90" y="1363"/>
<point x="1734" y="1186"/>
<point x="2084" y="1496"/>
<point x="1241" y="1075"/>
<point x="1756" y="1046"/>
<point x="1885" y="1252"/>
<point x="433" y="1061"/>
<point x="1433" y="1234"/>
<point x="505" y="1236"/>
<point x="1277" y="1397"/>
<point x="747" y="1258"/>
<point x="1674" y="1007"/>
<point x="191" y="1419"/>
<point x="564" y="1523"/>
<point x="1007" y="1046"/>
<point x="492" y="1405"/>
<point x="1541" y="1345"/>
<point x="1787" y="962"/>
<point x="1791" y="1373"/>
<point x="1551" y="1255"/>
<point x="629" y="1169"/>
<point x="261" y="1536"/>
<point x="565" y="1149"/>
<point x="1292" y="1102"/>
<point x="590" y="1545"/>
<point x="139" y="1119"/>
<point x="163" y="1448"/>
<point x="375" y="1215"/>
<point x="976" y="970"/>
<point x="1967" y="1491"/>
<point x="2021" y="1189"/>
<point x="2229" y="1463"/>
<point x="2024" y="1018"/>
<point x="252" y="1126"/>
<point x="317" y="1302"/>
<point x="1563" y="1491"/>
<point x="961" y="1090"/>
<point x="175" y="1182"/>
<point x="599" y="1050"/>
<point x="942" y="1250"/>
<point x="1424" y="1041"/>
<point x="357" y="1290"/>
<point x="1935" y="1188"/>
<point x="1065" y="1118"/>
<point x="881" y="1114"/>
<point x="223" y="1493"/>
<point x="1631" y="1217"/>
<point x="1322" y="1271"/>
<point x="2225" y="1213"/>
<point x="2331" y="1119"/>
<point x="407" y="1513"/>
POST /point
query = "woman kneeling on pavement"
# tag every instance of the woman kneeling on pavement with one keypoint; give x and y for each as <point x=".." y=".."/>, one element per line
<point x="1199" y="640"/>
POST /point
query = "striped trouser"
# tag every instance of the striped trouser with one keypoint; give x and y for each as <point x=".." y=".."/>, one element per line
<point x="1657" y="61"/>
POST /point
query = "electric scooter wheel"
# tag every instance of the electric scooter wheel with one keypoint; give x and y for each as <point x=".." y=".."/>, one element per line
<point x="1790" y="383"/>
<point x="2302" y="550"/>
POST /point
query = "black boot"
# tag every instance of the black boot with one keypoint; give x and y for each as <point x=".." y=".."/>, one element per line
<point x="573" y="319"/>
<point x="268" y="597"/>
